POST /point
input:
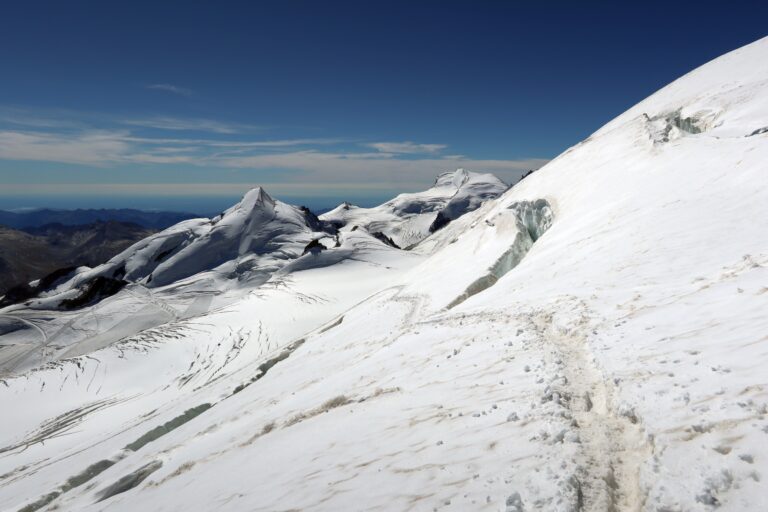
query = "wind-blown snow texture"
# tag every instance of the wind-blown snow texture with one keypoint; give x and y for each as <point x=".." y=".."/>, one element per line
<point x="592" y="339"/>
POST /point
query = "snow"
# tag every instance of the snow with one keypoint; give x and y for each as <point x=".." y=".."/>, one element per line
<point x="616" y="360"/>
<point x="408" y="218"/>
<point x="185" y="271"/>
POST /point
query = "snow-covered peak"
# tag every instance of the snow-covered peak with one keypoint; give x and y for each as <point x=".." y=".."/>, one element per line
<point x="409" y="218"/>
<point x="339" y="210"/>
<point x="258" y="225"/>
<point x="246" y="243"/>
<point x="255" y="201"/>
<point x="453" y="179"/>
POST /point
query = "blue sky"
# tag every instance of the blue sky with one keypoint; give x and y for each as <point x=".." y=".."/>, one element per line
<point x="186" y="105"/>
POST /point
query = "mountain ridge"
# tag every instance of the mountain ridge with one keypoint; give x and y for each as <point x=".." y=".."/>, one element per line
<point x="32" y="253"/>
<point x="39" y="217"/>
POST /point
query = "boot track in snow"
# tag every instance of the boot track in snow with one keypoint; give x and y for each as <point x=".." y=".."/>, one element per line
<point x="613" y="445"/>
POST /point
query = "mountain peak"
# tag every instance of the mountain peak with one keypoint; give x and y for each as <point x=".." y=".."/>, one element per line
<point x="410" y="217"/>
<point x="455" y="178"/>
<point x="254" y="201"/>
<point x="257" y="197"/>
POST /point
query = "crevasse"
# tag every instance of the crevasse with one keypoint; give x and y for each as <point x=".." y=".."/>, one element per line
<point x="533" y="219"/>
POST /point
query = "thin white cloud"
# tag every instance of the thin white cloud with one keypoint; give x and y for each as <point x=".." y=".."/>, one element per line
<point x="406" y="147"/>
<point x="181" y="91"/>
<point x="360" y="168"/>
<point x="317" y="165"/>
<point x="38" y="122"/>
<point x="161" y="158"/>
<point x="106" y="148"/>
<point x="213" y="143"/>
<point x="102" y="148"/>
<point x="275" y="143"/>
<point x="184" y="124"/>
<point x="88" y="148"/>
<point x="187" y="189"/>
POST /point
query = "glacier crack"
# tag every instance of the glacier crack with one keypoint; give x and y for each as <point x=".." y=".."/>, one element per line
<point x="533" y="219"/>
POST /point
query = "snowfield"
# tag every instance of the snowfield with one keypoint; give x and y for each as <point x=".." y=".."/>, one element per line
<point x="594" y="338"/>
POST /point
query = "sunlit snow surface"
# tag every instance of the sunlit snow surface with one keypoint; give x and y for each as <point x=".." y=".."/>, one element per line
<point x="617" y="364"/>
<point x="409" y="218"/>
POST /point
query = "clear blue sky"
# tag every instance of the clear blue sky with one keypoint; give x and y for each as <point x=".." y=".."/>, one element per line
<point x="186" y="104"/>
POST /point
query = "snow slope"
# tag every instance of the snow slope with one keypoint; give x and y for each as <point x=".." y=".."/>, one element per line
<point x="184" y="271"/>
<point x="409" y="218"/>
<point x="199" y="265"/>
<point x="593" y="339"/>
<point x="256" y="234"/>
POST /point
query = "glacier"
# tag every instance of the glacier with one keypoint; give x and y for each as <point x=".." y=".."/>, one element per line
<point x="592" y="338"/>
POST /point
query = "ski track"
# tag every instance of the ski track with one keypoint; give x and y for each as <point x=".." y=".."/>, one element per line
<point x="39" y="329"/>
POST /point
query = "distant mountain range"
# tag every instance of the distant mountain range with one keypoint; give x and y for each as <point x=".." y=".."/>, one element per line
<point x="148" y="219"/>
<point x="36" y="252"/>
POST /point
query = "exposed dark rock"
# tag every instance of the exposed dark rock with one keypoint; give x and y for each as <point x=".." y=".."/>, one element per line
<point x="24" y="291"/>
<point x="526" y="174"/>
<point x="311" y="219"/>
<point x="314" y="247"/>
<point x="18" y="293"/>
<point x="55" y="277"/>
<point x="384" y="238"/>
<point x="119" y="272"/>
<point x="39" y="251"/>
<point x="164" y="254"/>
<point x="440" y="222"/>
<point x="97" y="289"/>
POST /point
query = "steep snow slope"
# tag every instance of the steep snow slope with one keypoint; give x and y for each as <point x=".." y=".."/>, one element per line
<point x="409" y="218"/>
<point x="594" y="339"/>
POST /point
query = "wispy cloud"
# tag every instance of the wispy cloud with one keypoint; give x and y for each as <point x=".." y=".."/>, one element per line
<point x="314" y="166"/>
<point x="181" y="91"/>
<point x="38" y="119"/>
<point x="87" y="148"/>
<point x="334" y="168"/>
<point x="191" y="189"/>
<point x="406" y="147"/>
<point x="187" y="124"/>
<point x="216" y="143"/>
<point x="232" y="152"/>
